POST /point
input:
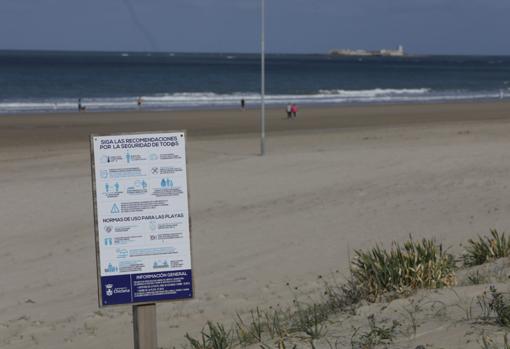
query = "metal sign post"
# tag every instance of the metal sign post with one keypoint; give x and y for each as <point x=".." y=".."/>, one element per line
<point x="263" y="79"/>
<point x="142" y="224"/>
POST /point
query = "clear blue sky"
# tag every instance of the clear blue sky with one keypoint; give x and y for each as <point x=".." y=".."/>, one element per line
<point x="422" y="26"/>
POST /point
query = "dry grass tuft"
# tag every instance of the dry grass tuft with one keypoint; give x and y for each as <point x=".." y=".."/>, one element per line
<point x="403" y="268"/>
<point x="486" y="249"/>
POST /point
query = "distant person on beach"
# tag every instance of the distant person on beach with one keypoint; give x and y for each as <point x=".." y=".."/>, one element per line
<point x="139" y="102"/>
<point x="80" y="106"/>
<point x="294" y="110"/>
<point x="289" y="111"/>
<point x="243" y="104"/>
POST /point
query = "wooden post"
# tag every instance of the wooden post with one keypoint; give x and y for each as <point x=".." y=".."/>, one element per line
<point x="145" y="326"/>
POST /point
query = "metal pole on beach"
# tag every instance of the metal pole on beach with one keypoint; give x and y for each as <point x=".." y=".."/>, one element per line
<point x="263" y="79"/>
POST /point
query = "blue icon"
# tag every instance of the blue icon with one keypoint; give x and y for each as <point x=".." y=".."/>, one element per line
<point x="108" y="241"/>
<point x="111" y="268"/>
<point x="166" y="183"/>
<point x="108" y="187"/>
<point x="141" y="184"/>
<point x="104" y="174"/>
<point x="115" y="209"/>
<point x="128" y="158"/>
<point x="160" y="264"/>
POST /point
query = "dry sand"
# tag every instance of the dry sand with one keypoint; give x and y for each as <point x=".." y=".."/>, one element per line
<point x="333" y="180"/>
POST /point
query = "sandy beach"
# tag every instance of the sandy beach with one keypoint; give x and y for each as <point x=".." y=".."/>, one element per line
<point x="334" y="179"/>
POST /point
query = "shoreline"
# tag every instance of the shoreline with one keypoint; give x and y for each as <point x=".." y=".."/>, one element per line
<point x="269" y="106"/>
<point x="51" y="128"/>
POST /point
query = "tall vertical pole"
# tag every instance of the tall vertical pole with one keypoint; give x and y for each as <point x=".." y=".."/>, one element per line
<point x="263" y="79"/>
<point x="144" y="326"/>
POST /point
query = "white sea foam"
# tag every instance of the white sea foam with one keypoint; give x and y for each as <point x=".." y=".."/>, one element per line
<point x="374" y="93"/>
<point x="185" y="100"/>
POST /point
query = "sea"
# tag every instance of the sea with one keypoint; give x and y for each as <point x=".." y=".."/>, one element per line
<point x="51" y="81"/>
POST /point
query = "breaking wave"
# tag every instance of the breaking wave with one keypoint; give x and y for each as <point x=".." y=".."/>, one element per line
<point x="203" y="100"/>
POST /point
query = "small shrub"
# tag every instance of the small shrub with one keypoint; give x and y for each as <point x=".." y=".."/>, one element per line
<point x="376" y="335"/>
<point x="249" y="333"/>
<point x="476" y="278"/>
<point x="310" y="319"/>
<point x="214" y="337"/>
<point x="342" y="297"/>
<point x="501" y="307"/>
<point x="466" y="305"/>
<point x="276" y="323"/>
<point x="494" y="304"/>
<point x="484" y="303"/>
<point x="411" y="312"/>
<point x="413" y="265"/>
<point x="486" y="249"/>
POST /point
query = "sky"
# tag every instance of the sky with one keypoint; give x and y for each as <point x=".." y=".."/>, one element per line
<point x="293" y="26"/>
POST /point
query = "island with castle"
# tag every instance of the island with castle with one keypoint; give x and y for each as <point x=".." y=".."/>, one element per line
<point x="399" y="52"/>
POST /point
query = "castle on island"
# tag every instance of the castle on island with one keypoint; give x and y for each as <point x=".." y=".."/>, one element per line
<point x="399" y="52"/>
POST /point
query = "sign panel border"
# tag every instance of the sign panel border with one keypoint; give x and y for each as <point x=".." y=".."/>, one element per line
<point x="96" y="222"/>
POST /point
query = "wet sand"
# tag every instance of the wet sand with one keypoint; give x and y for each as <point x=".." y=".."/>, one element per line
<point x="73" y="127"/>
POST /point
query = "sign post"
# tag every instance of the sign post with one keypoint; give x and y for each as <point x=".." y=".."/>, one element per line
<point x="142" y="230"/>
<point x="145" y="326"/>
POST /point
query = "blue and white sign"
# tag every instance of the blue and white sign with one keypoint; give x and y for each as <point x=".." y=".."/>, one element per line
<point x="142" y="218"/>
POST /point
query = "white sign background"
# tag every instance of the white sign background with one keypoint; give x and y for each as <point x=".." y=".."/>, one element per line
<point x="141" y="205"/>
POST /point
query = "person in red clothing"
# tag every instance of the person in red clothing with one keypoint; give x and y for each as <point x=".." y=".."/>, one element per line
<point x="294" y="110"/>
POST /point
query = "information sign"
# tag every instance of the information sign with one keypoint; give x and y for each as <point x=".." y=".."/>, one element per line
<point x="141" y="216"/>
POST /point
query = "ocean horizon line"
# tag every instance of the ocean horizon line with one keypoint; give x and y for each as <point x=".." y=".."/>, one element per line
<point x="268" y="53"/>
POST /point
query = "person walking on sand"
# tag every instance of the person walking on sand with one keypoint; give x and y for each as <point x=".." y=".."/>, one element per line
<point x="243" y="104"/>
<point x="80" y="106"/>
<point x="289" y="111"/>
<point x="294" y="110"/>
<point x="139" y="102"/>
